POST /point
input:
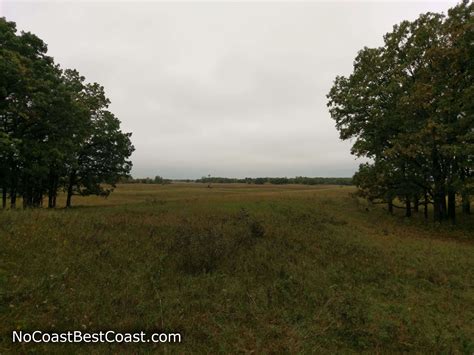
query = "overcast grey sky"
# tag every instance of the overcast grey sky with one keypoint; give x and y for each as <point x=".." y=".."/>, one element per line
<point x="229" y="89"/>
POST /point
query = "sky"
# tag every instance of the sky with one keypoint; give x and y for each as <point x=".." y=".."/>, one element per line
<point x="230" y="89"/>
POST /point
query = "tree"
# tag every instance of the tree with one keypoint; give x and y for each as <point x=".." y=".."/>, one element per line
<point x="408" y="105"/>
<point x="55" y="131"/>
<point x="102" y="161"/>
<point x="26" y="73"/>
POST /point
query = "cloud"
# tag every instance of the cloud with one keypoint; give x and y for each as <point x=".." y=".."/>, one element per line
<point x="231" y="89"/>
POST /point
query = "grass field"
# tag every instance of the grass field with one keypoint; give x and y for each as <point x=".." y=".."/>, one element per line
<point x="238" y="268"/>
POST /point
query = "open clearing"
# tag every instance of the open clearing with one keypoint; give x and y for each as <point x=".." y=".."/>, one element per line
<point x="237" y="268"/>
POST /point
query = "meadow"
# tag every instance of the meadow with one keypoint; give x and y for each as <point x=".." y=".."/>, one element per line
<point x="238" y="268"/>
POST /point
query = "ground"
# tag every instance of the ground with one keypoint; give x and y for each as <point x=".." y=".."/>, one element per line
<point x="237" y="268"/>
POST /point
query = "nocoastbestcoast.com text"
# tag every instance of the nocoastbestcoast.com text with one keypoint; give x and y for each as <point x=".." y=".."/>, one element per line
<point x="109" y="336"/>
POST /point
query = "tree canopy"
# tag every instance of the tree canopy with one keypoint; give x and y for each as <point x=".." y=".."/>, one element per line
<point x="408" y="106"/>
<point x="56" y="132"/>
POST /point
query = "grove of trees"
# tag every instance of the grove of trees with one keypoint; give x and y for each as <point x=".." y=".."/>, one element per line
<point x="56" y="133"/>
<point x="408" y="106"/>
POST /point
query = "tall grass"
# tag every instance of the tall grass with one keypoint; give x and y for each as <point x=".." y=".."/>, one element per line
<point x="238" y="269"/>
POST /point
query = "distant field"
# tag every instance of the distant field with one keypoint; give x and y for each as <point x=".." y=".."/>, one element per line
<point x="238" y="268"/>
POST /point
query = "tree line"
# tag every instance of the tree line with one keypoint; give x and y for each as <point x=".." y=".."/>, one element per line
<point x="158" y="180"/>
<point x="56" y="132"/>
<point x="408" y="106"/>
<point x="302" y="180"/>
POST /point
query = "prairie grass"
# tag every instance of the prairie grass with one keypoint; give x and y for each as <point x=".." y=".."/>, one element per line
<point x="237" y="268"/>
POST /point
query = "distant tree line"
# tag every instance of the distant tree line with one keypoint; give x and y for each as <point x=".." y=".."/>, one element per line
<point x="56" y="133"/>
<point x="408" y="106"/>
<point x="258" y="181"/>
<point x="279" y="180"/>
<point x="156" y="180"/>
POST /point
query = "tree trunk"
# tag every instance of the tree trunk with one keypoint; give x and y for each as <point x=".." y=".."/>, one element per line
<point x="52" y="188"/>
<point x="72" y="179"/>
<point x="416" y="203"/>
<point x="12" y="198"/>
<point x="444" y="206"/>
<point x="407" y="207"/>
<point x="439" y="204"/>
<point x="4" y="197"/>
<point x="439" y="195"/>
<point x="50" y="191"/>
<point x="452" y="206"/>
<point x="466" y="203"/>
<point x="390" y="206"/>
<point x="55" y="194"/>
<point x="13" y="187"/>
<point x="38" y="197"/>
<point x="425" y="203"/>
<point x="27" y="194"/>
<point x="50" y="199"/>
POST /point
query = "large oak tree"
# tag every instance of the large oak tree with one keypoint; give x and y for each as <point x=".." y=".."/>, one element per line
<point x="408" y="105"/>
<point x="55" y="130"/>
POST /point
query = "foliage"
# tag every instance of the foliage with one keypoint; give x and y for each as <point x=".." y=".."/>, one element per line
<point x="55" y="130"/>
<point x="408" y="107"/>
